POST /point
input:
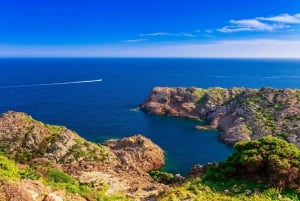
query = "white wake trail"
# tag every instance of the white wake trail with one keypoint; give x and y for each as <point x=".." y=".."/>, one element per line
<point x="50" y="84"/>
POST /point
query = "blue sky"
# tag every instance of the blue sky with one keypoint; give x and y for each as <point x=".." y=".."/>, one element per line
<point x="132" y="28"/>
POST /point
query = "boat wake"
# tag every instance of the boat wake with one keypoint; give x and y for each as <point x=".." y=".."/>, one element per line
<point x="50" y="84"/>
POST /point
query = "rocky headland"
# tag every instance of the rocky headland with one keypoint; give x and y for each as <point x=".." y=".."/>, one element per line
<point x="70" y="167"/>
<point x="238" y="113"/>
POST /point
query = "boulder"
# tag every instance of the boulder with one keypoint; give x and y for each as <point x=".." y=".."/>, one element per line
<point x="138" y="151"/>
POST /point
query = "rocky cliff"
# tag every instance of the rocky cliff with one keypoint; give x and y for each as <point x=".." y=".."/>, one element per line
<point x="239" y="113"/>
<point x="63" y="156"/>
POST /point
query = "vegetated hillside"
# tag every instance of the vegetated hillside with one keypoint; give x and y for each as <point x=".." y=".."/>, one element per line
<point x="239" y="113"/>
<point x="45" y="162"/>
<point x="269" y="160"/>
<point x="258" y="170"/>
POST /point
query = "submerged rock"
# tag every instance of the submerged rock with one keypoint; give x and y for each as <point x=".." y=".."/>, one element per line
<point x="199" y="170"/>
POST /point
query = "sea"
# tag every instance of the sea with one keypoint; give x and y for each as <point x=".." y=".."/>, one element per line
<point x="68" y="91"/>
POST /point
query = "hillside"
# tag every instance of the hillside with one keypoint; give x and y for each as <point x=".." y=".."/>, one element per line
<point x="64" y="165"/>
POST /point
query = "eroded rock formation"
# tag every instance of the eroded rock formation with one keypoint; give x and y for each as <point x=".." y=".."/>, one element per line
<point x="239" y="113"/>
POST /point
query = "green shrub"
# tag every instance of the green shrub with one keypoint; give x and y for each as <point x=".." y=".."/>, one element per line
<point x="24" y="156"/>
<point x="59" y="179"/>
<point x="29" y="173"/>
<point x="8" y="168"/>
<point x="162" y="177"/>
<point x="57" y="176"/>
<point x="268" y="159"/>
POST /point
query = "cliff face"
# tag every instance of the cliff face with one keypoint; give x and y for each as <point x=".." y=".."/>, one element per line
<point x="239" y="113"/>
<point x="42" y="147"/>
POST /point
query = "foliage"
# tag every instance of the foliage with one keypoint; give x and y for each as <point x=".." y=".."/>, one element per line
<point x="162" y="177"/>
<point x="54" y="129"/>
<point x="61" y="180"/>
<point x="24" y="156"/>
<point x="268" y="159"/>
<point x="8" y="168"/>
<point x="233" y="191"/>
<point x="57" y="176"/>
<point x="29" y="173"/>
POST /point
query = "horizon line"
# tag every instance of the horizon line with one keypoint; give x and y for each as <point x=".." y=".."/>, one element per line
<point x="146" y="57"/>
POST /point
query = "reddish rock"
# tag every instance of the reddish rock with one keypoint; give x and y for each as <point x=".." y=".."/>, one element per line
<point x="138" y="151"/>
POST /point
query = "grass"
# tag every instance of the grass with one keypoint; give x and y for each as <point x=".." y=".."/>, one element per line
<point x="61" y="180"/>
<point x="54" y="129"/>
<point x="232" y="190"/>
<point x="56" y="179"/>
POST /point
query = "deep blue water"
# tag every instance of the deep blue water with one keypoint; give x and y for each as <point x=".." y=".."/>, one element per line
<point x="102" y="110"/>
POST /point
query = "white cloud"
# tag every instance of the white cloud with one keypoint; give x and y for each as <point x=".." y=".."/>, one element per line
<point x="278" y="22"/>
<point x="249" y="25"/>
<point x="283" y="18"/>
<point x="134" y="40"/>
<point x="155" y="34"/>
<point x="252" y="24"/>
<point x="231" y="29"/>
<point x="167" y="34"/>
<point x="186" y="34"/>
<point x="258" y="48"/>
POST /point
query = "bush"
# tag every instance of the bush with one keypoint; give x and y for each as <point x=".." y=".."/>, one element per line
<point x="57" y="176"/>
<point x="59" y="179"/>
<point x="161" y="177"/>
<point x="29" y="173"/>
<point x="269" y="159"/>
<point x="8" y="168"/>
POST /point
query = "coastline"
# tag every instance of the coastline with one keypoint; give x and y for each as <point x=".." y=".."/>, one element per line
<point x="238" y="113"/>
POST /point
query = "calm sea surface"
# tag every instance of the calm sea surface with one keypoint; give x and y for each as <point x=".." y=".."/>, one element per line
<point x="103" y="110"/>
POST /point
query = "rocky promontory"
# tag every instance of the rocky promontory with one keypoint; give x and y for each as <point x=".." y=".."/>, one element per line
<point x="239" y="113"/>
<point x="69" y="167"/>
<point x="138" y="151"/>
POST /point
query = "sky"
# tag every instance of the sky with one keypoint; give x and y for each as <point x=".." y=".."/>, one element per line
<point x="150" y="28"/>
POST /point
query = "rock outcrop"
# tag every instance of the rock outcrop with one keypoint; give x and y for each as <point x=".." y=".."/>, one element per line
<point x="239" y="113"/>
<point x="139" y="152"/>
<point x="123" y="168"/>
<point x="26" y="138"/>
